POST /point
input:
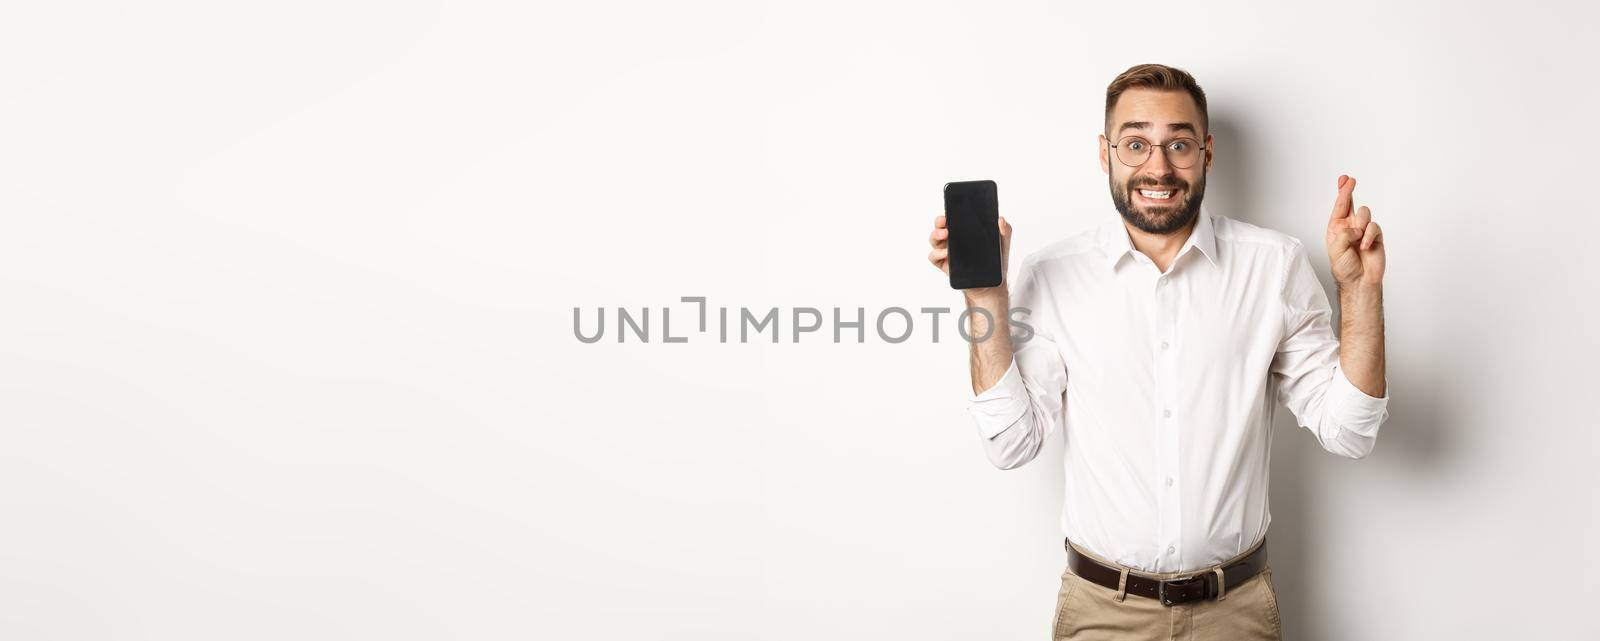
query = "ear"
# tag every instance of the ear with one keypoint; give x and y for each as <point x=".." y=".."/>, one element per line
<point x="1105" y="162"/>
<point x="1209" y="143"/>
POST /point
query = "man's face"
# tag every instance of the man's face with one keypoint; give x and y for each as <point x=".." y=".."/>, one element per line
<point x="1159" y="117"/>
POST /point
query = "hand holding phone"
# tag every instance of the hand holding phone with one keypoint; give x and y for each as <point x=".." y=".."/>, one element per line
<point x="970" y="241"/>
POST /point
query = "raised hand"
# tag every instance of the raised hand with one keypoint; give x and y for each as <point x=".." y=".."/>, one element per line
<point x="1355" y="242"/>
<point x="939" y="239"/>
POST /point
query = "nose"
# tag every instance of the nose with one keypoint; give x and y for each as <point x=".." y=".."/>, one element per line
<point x="1157" y="165"/>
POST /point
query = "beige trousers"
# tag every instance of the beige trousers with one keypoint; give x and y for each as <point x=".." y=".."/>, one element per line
<point x="1088" y="611"/>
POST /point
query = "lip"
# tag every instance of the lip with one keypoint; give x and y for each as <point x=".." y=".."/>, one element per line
<point x="1177" y="192"/>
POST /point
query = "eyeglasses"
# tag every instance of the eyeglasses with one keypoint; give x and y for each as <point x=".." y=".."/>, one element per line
<point x="1134" y="151"/>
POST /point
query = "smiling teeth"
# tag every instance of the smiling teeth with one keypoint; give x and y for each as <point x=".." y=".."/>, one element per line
<point x="1155" y="194"/>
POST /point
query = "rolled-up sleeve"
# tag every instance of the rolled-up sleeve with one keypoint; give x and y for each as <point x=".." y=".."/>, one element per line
<point x="1309" y="378"/>
<point x="996" y="409"/>
<point x="1020" y="411"/>
<point x="1354" y="409"/>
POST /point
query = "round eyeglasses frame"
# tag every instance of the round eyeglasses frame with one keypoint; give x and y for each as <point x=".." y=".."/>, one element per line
<point x="1124" y="141"/>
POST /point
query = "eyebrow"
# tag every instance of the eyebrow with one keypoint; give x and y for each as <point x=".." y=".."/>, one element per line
<point x="1141" y="124"/>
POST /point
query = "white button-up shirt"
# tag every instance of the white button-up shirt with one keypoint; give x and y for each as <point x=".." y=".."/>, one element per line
<point x="1164" y="386"/>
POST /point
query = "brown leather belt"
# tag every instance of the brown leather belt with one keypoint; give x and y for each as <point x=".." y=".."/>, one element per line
<point x="1201" y="585"/>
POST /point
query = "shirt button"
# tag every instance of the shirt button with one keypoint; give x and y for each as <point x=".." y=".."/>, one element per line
<point x="1163" y="344"/>
<point x="1171" y="549"/>
<point x="1169" y="481"/>
<point x="1166" y="413"/>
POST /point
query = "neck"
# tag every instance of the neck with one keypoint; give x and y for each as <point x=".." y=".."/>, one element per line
<point x="1160" y="248"/>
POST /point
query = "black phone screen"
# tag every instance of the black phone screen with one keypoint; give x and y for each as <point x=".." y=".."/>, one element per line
<point x="972" y="214"/>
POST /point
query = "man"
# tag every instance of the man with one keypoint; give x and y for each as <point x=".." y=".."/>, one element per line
<point x="1163" y="342"/>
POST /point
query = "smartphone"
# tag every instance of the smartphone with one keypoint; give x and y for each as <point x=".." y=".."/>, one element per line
<point x="972" y="214"/>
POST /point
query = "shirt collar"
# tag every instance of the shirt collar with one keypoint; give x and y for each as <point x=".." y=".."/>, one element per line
<point x="1116" y="243"/>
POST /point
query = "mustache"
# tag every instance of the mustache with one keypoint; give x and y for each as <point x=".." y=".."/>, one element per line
<point x="1157" y="185"/>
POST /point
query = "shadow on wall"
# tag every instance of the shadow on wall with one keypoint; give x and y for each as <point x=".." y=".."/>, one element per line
<point x="1412" y="436"/>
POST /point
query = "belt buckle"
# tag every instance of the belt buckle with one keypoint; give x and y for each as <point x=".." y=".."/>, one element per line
<point x="1166" y="599"/>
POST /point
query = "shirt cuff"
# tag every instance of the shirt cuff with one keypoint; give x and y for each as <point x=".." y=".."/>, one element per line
<point x="1354" y="409"/>
<point x="1000" y="406"/>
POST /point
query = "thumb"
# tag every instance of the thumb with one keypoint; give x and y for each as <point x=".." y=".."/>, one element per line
<point x="1345" y="237"/>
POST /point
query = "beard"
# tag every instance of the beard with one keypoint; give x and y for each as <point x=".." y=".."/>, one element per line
<point x="1163" y="218"/>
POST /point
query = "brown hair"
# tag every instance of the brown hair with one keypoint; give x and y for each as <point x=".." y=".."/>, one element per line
<point x="1160" y="78"/>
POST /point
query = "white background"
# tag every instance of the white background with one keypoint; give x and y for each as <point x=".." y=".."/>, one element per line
<point x="287" y="312"/>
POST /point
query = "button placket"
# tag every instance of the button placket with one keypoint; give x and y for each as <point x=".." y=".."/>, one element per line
<point x="1169" y="532"/>
<point x="1168" y="428"/>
